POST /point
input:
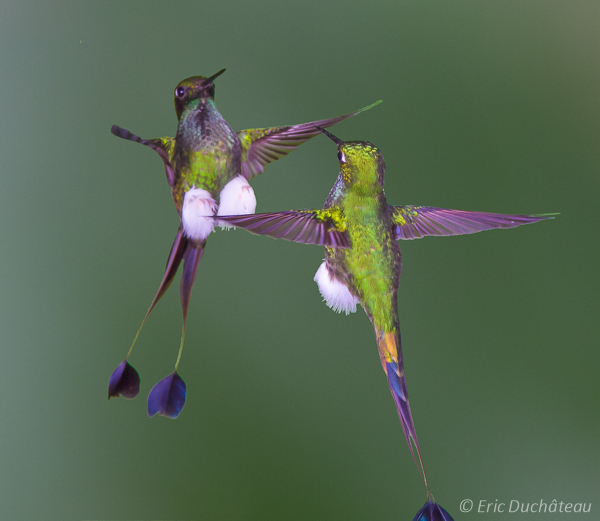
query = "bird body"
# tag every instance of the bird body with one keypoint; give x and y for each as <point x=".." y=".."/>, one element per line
<point x="360" y="232"/>
<point x="207" y="152"/>
<point x="370" y="269"/>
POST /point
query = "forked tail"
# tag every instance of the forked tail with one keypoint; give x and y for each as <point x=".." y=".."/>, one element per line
<point x="167" y="397"/>
<point x="191" y="254"/>
<point x="180" y="244"/>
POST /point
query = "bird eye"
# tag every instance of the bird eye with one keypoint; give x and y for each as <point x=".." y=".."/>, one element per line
<point x="341" y="157"/>
<point x="180" y="92"/>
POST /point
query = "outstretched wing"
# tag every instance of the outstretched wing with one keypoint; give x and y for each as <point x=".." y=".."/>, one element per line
<point x="261" y="146"/>
<point x="414" y="222"/>
<point x="322" y="227"/>
<point x="164" y="147"/>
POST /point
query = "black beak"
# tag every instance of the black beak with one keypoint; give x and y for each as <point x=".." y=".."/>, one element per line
<point x="330" y="136"/>
<point x="217" y="74"/>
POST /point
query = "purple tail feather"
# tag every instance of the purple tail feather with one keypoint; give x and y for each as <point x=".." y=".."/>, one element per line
<point x="390" y="353"/>
<point x="180" y="245"/>
<point x="191" y="260"/>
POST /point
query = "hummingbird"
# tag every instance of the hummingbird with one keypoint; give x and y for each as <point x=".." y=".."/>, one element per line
<point x="208" y="167"/>
<point x="360" y="232"/>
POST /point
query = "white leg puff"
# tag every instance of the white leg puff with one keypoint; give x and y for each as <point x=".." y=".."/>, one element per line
<point x="198" y="206"/>
<point x="336" y="294"/>
<point x="237" y="198"/>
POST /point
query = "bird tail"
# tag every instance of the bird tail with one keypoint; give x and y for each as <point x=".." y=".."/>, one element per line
<point x="191" y="259"/>
<point x="190" y="253"/>
<point x="390" y="353"/>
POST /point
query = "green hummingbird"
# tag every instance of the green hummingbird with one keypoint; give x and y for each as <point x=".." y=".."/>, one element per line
<point x="362" y="265"/>
<point x="208" y="167"/>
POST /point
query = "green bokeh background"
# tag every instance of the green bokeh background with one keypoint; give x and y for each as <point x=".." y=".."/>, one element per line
<point x="488" y="105"/>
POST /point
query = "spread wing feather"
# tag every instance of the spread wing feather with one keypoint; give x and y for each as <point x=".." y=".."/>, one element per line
<point x="414" y="222"/>
<point x="305" y="226"/>
<point x="261" y="146"/>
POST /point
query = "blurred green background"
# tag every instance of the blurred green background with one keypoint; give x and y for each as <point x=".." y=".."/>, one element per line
<point x="490" y="106"/>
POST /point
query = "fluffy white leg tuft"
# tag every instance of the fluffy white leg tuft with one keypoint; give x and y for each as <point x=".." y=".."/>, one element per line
<point x="196" y="214"/>
<point x="237" y="198"/>
<point x="336" y="294"/>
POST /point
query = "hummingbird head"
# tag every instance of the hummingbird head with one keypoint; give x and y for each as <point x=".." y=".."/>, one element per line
<point x="196" y="87"/>
<point x="361" y="164"/>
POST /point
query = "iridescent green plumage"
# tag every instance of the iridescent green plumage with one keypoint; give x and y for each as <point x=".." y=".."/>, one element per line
<point x="371" y="268"/>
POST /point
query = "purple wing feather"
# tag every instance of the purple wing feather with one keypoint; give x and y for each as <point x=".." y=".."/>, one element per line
<point x="262" y="146"/>
<point x="298" y="226"/>
<point x="414" y="222"/>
